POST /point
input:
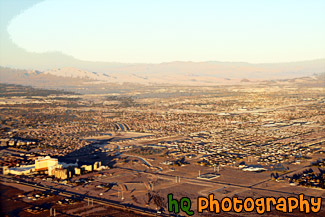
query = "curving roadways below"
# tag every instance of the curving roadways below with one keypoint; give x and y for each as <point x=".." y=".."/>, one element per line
<point x="102" y="201"/>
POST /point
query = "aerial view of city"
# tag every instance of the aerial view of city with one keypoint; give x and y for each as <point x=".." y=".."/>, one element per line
<point x="162" y="108"/>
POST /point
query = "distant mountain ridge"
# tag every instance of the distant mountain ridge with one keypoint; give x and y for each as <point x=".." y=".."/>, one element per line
<point x="78" y="73"/>
<point x="54" y="60"/>
<point x="171" y="73"/>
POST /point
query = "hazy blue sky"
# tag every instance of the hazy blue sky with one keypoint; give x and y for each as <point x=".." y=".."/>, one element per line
<point x="153" y="31"/>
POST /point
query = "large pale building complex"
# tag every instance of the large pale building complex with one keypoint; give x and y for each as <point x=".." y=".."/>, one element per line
<point x="44" y="163"/>
<point x="51" y="167"/>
